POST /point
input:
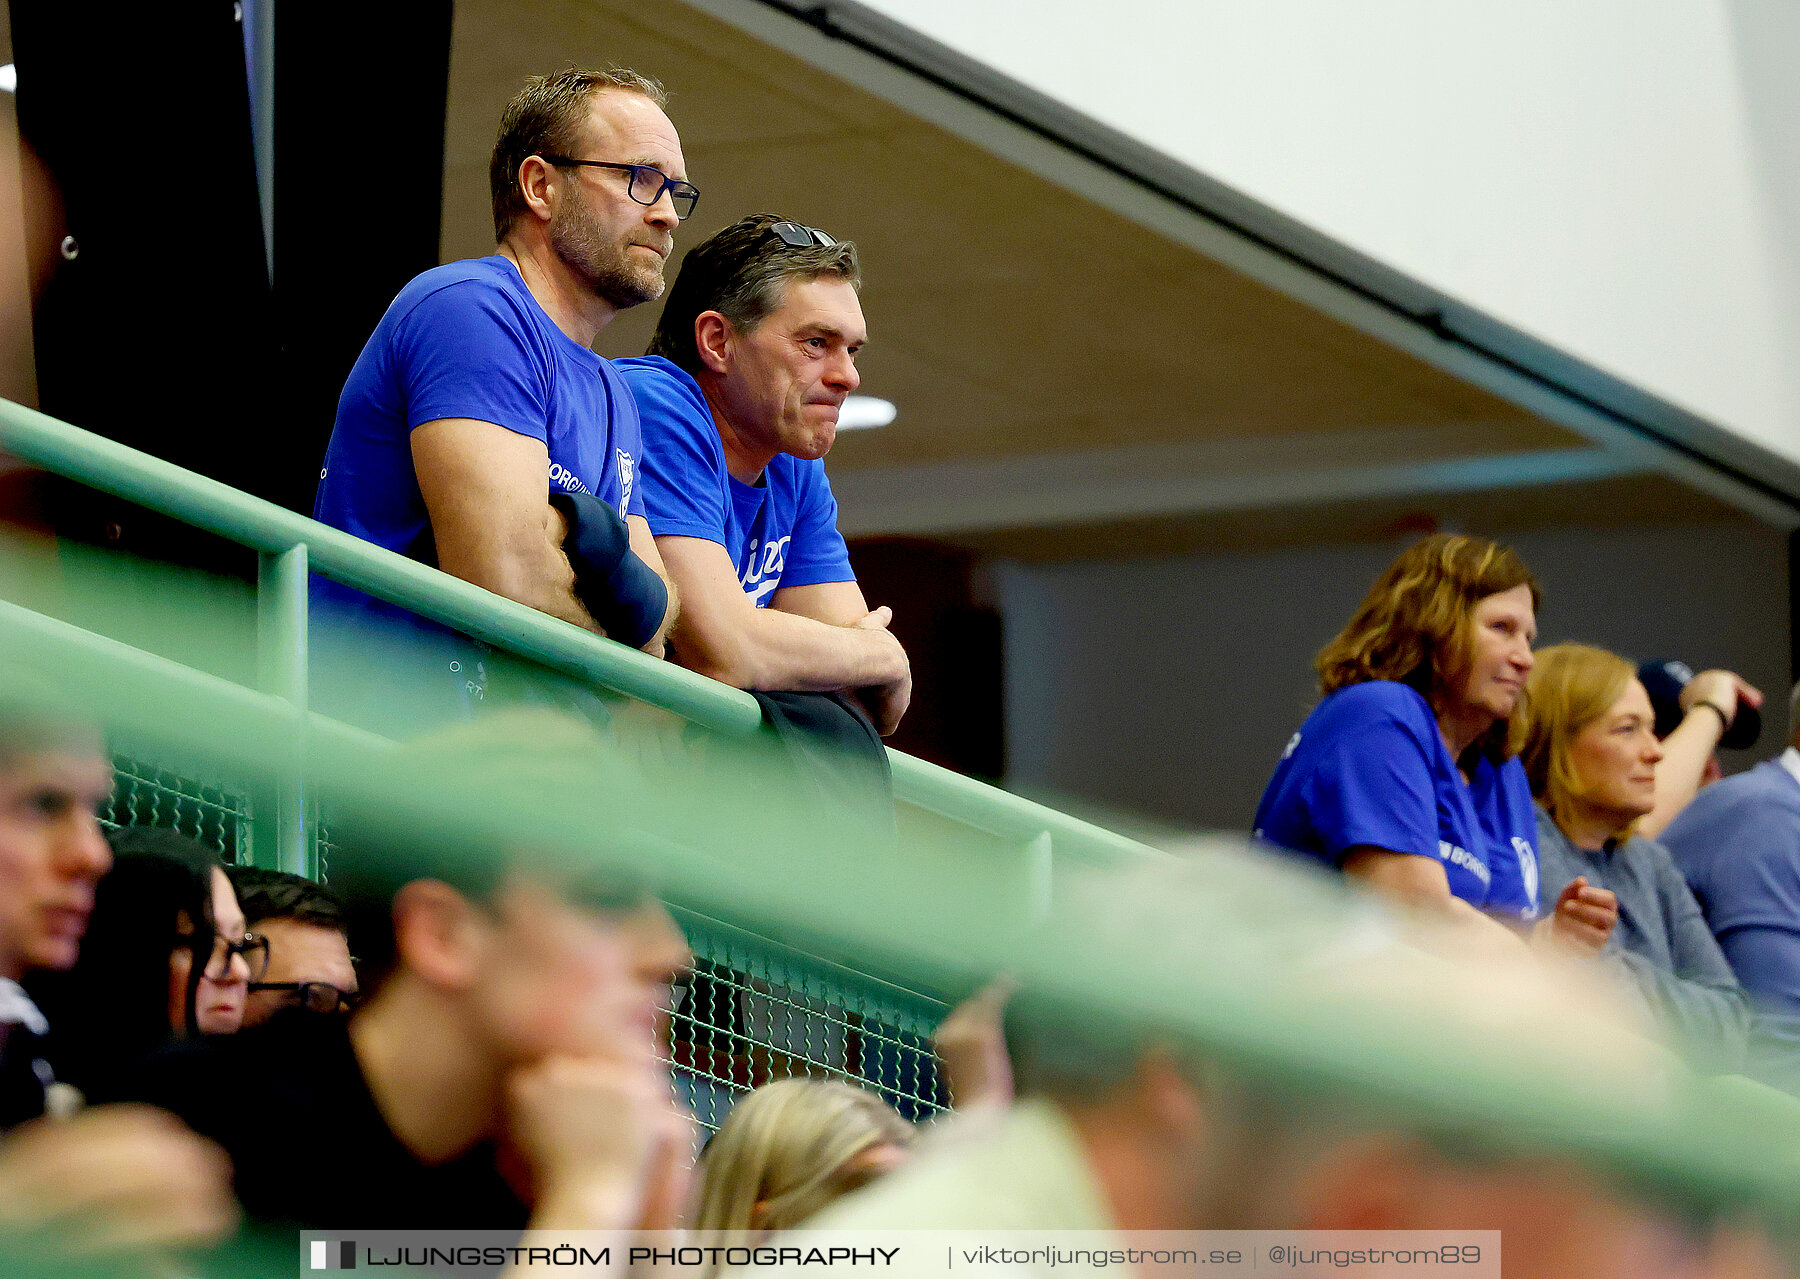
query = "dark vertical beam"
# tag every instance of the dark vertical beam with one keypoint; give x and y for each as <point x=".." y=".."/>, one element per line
<point x="359" y="173"/>
<point x="154" y="328"/>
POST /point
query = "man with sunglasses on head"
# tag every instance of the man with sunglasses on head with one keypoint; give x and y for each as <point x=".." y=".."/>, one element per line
<point x="752" y="360"/>
<point x="478" y="430"/>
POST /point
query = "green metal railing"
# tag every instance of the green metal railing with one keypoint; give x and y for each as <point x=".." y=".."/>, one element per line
<point x="756" y="1007"/>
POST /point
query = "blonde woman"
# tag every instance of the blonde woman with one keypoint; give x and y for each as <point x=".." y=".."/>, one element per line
<point x="1402" y="776"/>
<point x="1590" y="751"/>
<point x="790" y="1148"/>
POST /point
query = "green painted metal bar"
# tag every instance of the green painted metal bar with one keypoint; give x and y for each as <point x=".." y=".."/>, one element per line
<point x="1010" y="816"/>
<point x="207" y="504"/>
<point x="142" y="686"/>
<point x="278" y="828"/>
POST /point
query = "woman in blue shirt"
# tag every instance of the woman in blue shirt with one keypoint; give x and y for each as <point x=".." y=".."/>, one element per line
<point x="1402" y="776"/>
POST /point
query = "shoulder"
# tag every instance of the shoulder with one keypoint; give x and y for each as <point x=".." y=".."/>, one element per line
<point x="664" y="390"/>
<point x="1653" y="858"/>
<point x="1373" y="702"/>
<point x="464" y="281"/>
<point x="798" y="475"/>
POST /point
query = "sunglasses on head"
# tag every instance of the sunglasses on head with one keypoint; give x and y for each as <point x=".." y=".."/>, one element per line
<point x="796" y="236"/>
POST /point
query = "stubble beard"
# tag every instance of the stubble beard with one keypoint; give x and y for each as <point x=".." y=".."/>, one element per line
<point x="604" y="265"/>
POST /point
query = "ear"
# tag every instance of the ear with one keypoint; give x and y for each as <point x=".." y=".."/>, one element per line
<point x="437" y="934"/>
<point x="537" y="181"/>
<point x="1371" y="1182"/>
<point x="1170" y="1100"/>
<point x="712" y="341"/>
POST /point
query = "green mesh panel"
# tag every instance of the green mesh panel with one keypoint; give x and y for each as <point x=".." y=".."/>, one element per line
<point x="754" y="1011"/>
<point x="147" y="795"/>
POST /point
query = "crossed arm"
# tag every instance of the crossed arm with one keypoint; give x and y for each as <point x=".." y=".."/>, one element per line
<point x="485" y="491"/>
<point x="1580" y="922"/>
<point x="819" y="638"/>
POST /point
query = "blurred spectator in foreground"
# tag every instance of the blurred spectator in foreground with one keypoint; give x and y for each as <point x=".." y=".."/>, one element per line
<point x="1596" y="767"/>
<point x="510" y="1003"/>
<point x="1402" y="777"/>
<point x="309" y="948"/>
<point x="790" y="1148"/>
<point x="1123" y="1130"/>
<point x="1738" y="844"/>
<point x="753" y="358"/>
<point x="166" y="957"/>
<point x="1695" y="716"/>
<point x="115" y="1183"/>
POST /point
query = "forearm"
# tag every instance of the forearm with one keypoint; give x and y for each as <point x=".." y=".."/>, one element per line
<point x="541" y="580"/>
<point x="771" y="650"/>
<point x="1685" y="752"/>
<point x="659" y="642"/>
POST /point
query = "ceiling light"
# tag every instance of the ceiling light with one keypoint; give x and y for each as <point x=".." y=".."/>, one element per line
<point x="860" y="411"/>
<point x="9" y="78"/>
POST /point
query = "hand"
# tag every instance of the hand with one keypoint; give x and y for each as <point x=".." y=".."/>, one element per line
<point x="887" y="701"/>
<point x="669" y="1175"/>
<point x="586" y="1128"/>
<point x="1722" y="689"/>
<point x="972" y="1043"/>
<point x="113" y="1181"/>
<point x="1582" y="920"/>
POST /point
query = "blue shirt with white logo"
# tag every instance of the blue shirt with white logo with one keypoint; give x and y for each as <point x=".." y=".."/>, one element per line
<point x="466" y="340"/>
<point x="779" y="532"/>
<point x="1370" y="767"/>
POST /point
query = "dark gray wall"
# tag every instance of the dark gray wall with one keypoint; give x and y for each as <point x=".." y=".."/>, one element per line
<point x="1169" y="686"/>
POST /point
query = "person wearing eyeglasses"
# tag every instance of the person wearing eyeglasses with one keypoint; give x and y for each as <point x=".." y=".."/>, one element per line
<point x="753" y="358"/>
<point x="167" y="956"/>
<point x="310" y="967"/>
<point x="478" y="431"/>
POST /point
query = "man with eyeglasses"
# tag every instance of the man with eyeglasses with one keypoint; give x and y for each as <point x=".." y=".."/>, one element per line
<point x="309" y="947"/>
<point x="752" y="360"/>
<point x="478" y="430"/>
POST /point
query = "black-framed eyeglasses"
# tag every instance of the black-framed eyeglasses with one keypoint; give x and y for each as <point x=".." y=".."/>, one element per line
<point x="647" y="183"/>
<point x="314" y="996"/>
<point x="796" y="236"/>
<point x="254" y="947"/>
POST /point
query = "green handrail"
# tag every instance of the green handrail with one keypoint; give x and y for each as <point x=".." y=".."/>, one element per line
<point x="217" y="508"/>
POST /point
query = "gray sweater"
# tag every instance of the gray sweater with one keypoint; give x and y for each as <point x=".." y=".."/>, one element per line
<point x="1661" y="940"/>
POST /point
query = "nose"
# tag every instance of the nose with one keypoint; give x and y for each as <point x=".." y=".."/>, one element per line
<point x="1653" y="751"/>
<point x="85" y="852"/>
<point x="662" y="952"/>
<point x="237" y="972"/>
<point x="843" y="373"/>
<point x="662" y="212"/>
<point x="1523" y="657"/>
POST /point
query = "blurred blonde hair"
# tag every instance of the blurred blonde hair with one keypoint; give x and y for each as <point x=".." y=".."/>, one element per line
<point x="1413" y="627"/>
<point x="1571" y="686"/>
<point x="786" y="1147"/>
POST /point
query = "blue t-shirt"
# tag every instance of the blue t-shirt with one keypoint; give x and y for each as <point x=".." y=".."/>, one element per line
<point x="1370" y="767"/>
<point x="466" y="340"/>
<point x="779" y="532"/>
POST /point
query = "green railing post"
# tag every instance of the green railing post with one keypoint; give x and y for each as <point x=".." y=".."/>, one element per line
<point x="279" y="834"/>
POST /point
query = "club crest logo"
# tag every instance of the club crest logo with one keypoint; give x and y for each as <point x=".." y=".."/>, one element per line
<point x="625" y="477"/>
